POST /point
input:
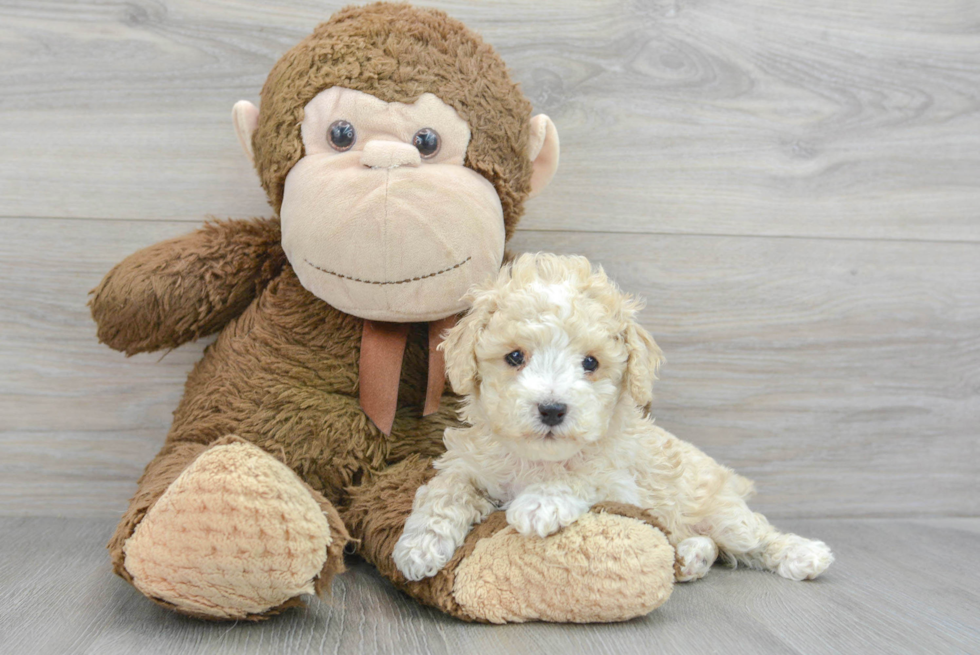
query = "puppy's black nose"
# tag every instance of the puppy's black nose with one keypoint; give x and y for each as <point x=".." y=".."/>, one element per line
<point x="552" y="414"/>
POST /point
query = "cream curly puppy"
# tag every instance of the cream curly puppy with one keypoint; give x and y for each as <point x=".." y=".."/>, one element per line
<point x="558" y="376"/>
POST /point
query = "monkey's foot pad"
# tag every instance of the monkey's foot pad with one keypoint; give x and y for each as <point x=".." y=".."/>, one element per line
<point x="235" y="535"/>
<point x="602" y="568"/>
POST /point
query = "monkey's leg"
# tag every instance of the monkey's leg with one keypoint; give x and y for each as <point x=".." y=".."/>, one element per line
<point x="611" y="565"/>
<point x="227" y="531"/>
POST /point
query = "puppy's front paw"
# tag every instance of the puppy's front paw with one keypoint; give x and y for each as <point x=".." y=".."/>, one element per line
<point x="542" y="514"/>
<point x="421" y="553"/>
<point x="804" y="559"/>
<point x="695" y="556"/>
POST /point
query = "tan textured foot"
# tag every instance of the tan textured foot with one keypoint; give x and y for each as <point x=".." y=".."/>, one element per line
<point x="235" y="535"/>
<point x="602" y="568"/>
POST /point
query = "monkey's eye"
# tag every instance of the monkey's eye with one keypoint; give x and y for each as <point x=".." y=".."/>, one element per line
<point x="590" y="363"/>
<point x="515" y="358"/>
<point x="427" y="141"/>
<point x="341" y="135"/>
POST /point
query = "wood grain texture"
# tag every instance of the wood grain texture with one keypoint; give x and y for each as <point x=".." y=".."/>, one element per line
<point x="841" y="375"/>
<point x="896" y="587"/>
<point x="793" y="186"/>
<point x="749" y="117"/>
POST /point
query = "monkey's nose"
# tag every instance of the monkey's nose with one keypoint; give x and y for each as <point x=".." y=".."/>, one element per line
<point x="552" y="414"/>
<point x="389" y="154"/>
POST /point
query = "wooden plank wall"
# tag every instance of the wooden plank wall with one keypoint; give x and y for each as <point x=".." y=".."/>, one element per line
<point x="793" y="186"/>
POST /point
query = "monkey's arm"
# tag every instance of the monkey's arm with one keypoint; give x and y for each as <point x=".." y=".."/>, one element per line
<point x="179" y="290"/>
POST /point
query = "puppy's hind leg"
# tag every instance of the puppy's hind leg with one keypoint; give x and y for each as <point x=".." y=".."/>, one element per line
<point x="748" y="537"/>
<point x="695" y="555"/>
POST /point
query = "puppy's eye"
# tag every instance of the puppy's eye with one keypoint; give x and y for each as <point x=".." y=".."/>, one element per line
<point x="515" y="358"/>
<point x="427" y="141"/>
<point x="590" y="363"/>
<point x="341" y="135"/>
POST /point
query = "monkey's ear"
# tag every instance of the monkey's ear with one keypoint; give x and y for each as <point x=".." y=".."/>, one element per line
<point x="542" y="150"/>
<point x="245" y="116"/>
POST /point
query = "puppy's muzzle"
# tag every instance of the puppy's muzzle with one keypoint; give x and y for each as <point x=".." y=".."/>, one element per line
<point x="552" y="414"/>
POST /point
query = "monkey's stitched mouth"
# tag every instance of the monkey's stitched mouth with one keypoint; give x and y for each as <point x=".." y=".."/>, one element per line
<point x="382" y="282"/>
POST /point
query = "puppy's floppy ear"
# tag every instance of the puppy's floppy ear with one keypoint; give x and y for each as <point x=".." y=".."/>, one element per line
<point x="460" y="344"/>
<point x="644" y="358"/>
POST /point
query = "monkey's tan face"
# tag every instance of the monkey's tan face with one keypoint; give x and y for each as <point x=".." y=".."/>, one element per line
<point x="380" y="218"/>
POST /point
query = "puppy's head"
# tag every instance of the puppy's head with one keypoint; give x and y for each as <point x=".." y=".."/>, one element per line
<point x="547" y="353"/>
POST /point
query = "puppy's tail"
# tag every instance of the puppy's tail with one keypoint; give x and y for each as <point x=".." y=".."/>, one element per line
<point x="743" y="486"/>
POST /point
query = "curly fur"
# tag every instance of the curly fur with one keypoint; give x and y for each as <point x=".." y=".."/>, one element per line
<point x="282" y="373"/>
<point x="557" y="311"/>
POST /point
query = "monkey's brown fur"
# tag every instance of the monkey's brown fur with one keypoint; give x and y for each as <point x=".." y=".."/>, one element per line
<point x="283" y="372"/>
<point x="396" y="53"/>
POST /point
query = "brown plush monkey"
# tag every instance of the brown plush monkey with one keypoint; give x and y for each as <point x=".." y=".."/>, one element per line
<point x="398" y="154"/>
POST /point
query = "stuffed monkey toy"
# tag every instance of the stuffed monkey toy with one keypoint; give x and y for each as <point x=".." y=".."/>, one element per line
<point x="397" y="154"/>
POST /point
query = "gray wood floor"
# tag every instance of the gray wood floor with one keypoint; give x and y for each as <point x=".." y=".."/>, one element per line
<point x="793" y="186"/>
<point x="899" y="586"/>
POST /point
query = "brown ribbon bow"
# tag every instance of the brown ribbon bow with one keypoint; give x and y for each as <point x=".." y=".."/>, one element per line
<point x="382" y="351"/>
